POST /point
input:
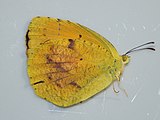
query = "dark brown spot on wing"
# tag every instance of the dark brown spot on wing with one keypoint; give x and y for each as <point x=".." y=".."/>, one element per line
<point x="44" y="42"/>
<point x="59" y="85"/>
<point x="49" y="60"/>
<point x="52" y="48"/>
<point x="58" y="79"/>
<point x="71" y="44"/>
<point x="75" y="84"/>
<point x="68" y="21"/>
<point x="49" y="76"/>
<point x="59" y="67"/>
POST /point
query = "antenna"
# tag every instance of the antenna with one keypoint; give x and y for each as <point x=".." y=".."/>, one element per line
<point x="139" y="48"/>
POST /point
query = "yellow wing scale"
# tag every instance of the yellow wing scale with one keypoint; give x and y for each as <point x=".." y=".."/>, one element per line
<point x="67" y="63"/>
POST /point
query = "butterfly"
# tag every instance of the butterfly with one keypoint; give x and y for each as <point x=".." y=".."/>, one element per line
<point x="69" y="63"/>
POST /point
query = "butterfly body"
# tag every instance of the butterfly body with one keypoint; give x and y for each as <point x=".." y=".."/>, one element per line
<point x="69" y="63"/>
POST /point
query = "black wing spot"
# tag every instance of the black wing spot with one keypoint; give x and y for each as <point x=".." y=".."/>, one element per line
<point x="38" y="82"/>
<point x="80" y="36"/>
<point x="27" y="39"/>
<point x="59" y="20"/>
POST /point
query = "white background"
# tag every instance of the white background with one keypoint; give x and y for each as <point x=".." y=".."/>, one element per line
<point x="125" y="23"/>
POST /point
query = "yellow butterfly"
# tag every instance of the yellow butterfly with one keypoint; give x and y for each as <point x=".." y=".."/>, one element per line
<point x="69" y="63"/>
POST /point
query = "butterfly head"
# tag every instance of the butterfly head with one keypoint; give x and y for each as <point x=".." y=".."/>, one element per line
<point x="125" y="59"/>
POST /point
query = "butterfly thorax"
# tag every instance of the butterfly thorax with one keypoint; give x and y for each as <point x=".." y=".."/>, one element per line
<point x="115" y="66"/>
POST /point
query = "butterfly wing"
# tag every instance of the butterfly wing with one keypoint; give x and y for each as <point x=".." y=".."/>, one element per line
<point x="67" y="62"/>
